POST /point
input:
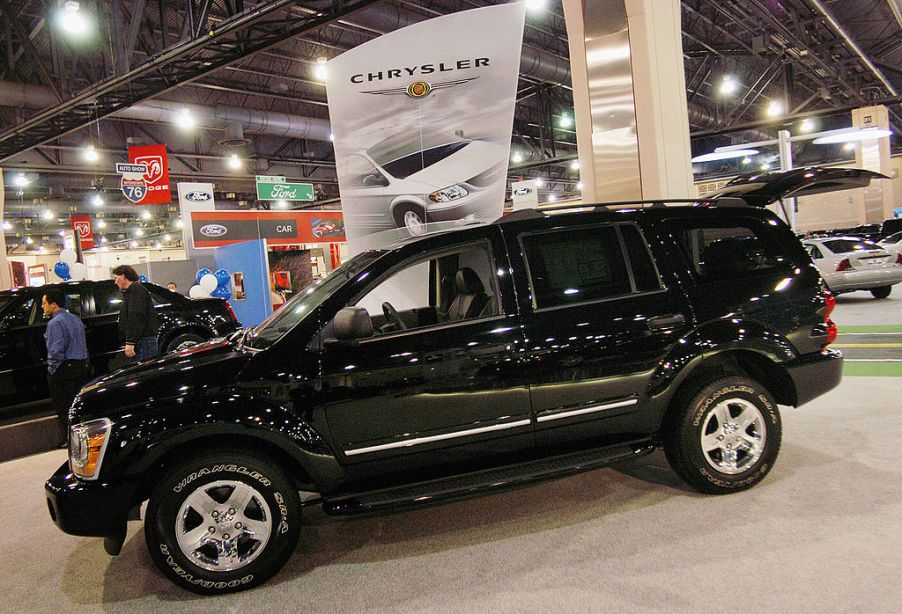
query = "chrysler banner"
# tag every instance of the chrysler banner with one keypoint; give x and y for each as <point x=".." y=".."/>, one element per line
<point x="422" y="120"/>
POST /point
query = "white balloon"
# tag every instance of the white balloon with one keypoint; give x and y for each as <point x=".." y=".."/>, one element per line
<point x="198" y="292"/>
<point x="209" y="282"/>
<point x="68" y="256"/>
<point x="78" y="271"/>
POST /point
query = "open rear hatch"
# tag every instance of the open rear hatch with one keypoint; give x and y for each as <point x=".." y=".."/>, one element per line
<point x="763" y="189"/>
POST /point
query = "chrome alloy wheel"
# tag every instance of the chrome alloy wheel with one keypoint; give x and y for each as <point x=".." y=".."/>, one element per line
<point x="733" y="436"/>
<point x="414" y="223"/>
<point x="223" y="525"/>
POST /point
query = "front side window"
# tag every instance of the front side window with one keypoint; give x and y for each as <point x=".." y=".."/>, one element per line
<point x="362" y="173"/>
<point x="722" y="249"/>
<point x="19" y="314"/>
<point x="575" y="266"/>
<point x="449" y="287"/>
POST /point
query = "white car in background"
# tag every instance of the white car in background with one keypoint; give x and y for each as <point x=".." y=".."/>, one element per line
<point x="892" y="243"/>
<point x="420" y="176"/>
<point x="850" y="263"/>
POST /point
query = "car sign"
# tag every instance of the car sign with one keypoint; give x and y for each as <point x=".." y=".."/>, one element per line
<point x="198" y="197"/>
<point x="213" y="230"/>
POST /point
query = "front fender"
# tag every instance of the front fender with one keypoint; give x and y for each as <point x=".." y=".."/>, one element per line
<point x="174" y="429"/>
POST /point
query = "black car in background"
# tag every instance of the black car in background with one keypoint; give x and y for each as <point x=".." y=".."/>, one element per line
<point x="23" y="354"/>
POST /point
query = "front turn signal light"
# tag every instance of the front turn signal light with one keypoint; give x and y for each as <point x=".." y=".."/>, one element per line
<point x="87" y="444"/>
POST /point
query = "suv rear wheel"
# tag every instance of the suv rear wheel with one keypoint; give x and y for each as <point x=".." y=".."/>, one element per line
<point x="222" y="522"/>
<point x="727" y="437"/>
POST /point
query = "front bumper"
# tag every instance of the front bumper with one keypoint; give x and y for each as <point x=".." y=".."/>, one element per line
<point x="97" y="509"/>
<point x="815" y="374"/>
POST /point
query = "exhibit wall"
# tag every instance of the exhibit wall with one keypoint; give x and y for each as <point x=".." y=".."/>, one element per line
<point x="247" y="259"/>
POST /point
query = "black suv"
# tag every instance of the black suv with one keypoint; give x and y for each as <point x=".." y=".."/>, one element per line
<point x="545" y="343"/>
<point x="23" y="351"/>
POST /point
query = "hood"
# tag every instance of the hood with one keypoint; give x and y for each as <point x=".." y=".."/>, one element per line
<point x="196" y="370"/>
<point x="762" y="189"/>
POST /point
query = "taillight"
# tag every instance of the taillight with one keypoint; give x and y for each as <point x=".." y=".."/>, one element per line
<point x="844" y="265"/>
<point x="231" y="312"/>
<point x="829" y="304"/>
<point x="832" y="331"/>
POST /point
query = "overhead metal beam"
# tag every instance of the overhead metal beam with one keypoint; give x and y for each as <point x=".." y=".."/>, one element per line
<point x="26" y="43"/>
<point x="183" y="63"/>
<point x="133" y="29"/>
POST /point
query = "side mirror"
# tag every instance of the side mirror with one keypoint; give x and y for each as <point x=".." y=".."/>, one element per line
<point x="352" y="323"/>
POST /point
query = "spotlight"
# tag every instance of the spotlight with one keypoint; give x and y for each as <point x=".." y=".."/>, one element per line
<point x="728" y="86"/>
<point x="517" y="157"/>
<point x="184" y="119"/>
<point x="574" y="166"/>
<point x="145" y="215"/>
<point x="234" y="162"/>
<point x="281" y="204"/>
<point x="167" y="237"/>
<point x="101" y="224"/>
<point x="774" y="109"/>
<point x="47" y="214"/>
<point x="139" y="232"/>
<point x="90" y="154"/>
<point x="157" y="245"/>
<point x="535" y="5"/>
<point x="7" y="226"/>
<point x="551" y="198"/>
<point x="807" y="125"/>
<point x="179" y="223"/>
<point x="97" y="200"/>
<point x="580" y="185"/>
<point x="133" y="244"/>
<point x="103" y="239"/>
<point x="42" y="249"/>
<point x="20" y="180"/>
<point x="539" y="182"/>
<point x="71" y="20"/>
<point x="28" y="240"/>
<point x="320" y="71"/>
<point x="565" y="122"/>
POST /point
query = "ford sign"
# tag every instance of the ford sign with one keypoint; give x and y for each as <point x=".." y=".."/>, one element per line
<point x="213" y="230"/>
<point x="198" y="197"/>
<point x="522" y="191"/>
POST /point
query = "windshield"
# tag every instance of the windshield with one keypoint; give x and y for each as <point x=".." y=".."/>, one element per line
<point x="305" y="301"/>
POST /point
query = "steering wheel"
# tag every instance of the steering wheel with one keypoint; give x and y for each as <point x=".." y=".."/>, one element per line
<point x="392" y="317"/>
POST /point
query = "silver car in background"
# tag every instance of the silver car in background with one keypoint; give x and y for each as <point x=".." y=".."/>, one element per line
<point x="892" y="243"/>
<point x="850" y="263"/>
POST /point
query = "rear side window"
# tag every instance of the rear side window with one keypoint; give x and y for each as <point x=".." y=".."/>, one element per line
<point x="107" y="299"/>
<point x="575" y="266"/>
<point x="644" y="272"/>
<point x="721" y="249"/>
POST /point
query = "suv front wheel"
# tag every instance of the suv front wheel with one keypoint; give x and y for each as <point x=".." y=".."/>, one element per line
<point x="222" y="522"/>
<point x="726" y="438"/>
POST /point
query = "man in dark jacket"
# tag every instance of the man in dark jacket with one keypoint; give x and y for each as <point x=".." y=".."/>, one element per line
<point x="138" y="322"/>
<point x="67" y="358"/>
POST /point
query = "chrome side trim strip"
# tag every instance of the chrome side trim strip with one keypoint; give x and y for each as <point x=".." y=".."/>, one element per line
<point x="421" y="440"/>
<point x="587" y="410"/>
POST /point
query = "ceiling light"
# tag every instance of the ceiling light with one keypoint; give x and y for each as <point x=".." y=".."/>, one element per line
<point x="724" y="155"/>
<point x="167" y="237"/>
<point x="580" y="185"/>
<point x="139" y="232"/>
<point x="28" y="240"/>
<point x="47" y="214"/>
<point x="101" y="224"/>
<point x="97" y="200"/>
<point x="765" y="166"/>
<point x="281" y="204"/>
<point x="539" y="182"/>
<point x="179" y="223"/>
<point x="90" y="154"/>
<point x="774" y="109"/>
<point x="133" y="244"/>
<point x="7" y="226"/>
<point x="535" y="5"/>
<point x="551" y="198"/>
<point x="517" y="157"/>
<point x="728" y="86"/>
<point x="71" y="20"/>
<point x="145" y="215"/>
<point x="574" y="166"/>
<point x="157" y="245"/>
<point x="807" y="125"/>
<point x="319" y="70"/>
<point x="103" y="239"/>
<point x="20" y="180"/>
<point x="849" y="135"/>
<point x="184" y="119"/>
<point x="566" y="121"/>
<point x="234" y="161"/>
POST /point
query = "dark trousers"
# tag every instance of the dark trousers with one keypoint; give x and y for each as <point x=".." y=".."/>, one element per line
<point x="65" y="383"/>
<point x="146" y="348"/>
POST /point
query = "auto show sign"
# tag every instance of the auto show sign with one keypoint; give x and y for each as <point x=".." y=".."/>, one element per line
<point x="422" y="120"/>
<point x="157" y="175"/>
<point x="132" y="182"/>
<point x="217" y="228"/>
<point x="281" y="190"/>
<point x="81" y="224"/>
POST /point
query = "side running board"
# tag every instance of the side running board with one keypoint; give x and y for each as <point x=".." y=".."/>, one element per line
<point x="423" y="493"/>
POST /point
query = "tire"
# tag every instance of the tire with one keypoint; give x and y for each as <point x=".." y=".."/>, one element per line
<point x="201" y="493"/>
<point x="882" y="291"/>
<point x="180" y="342"/>
<point x="707" y="446"/>
<point x="411" y="217"/>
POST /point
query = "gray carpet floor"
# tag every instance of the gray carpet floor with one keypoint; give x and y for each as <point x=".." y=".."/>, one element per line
<point x="823" y="533"/>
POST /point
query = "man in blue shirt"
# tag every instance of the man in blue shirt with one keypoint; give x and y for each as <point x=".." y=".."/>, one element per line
<point x="67" y="357"/>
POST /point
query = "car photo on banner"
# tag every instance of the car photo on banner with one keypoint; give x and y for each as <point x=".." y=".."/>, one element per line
<point x="327" y="227"/>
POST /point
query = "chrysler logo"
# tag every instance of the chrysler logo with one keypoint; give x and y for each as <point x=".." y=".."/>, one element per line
<point x="418" y="89"/>
<point x="213" y="230"/>
<point x="198" y="197"/>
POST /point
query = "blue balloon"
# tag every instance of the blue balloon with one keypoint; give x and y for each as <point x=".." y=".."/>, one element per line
<point x="222" y="277"/>
<point x="201" y="273"/>
<point x="222" y="292"/>
<point x="62" y="271"/>
<point x="142" y="278"/>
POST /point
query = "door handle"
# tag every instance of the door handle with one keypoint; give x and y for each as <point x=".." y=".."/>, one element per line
<point x="666" y="323"/>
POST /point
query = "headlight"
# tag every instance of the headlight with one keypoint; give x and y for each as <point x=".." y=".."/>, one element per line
<point x="447" y="194"/>
<point x="87" y="443"/>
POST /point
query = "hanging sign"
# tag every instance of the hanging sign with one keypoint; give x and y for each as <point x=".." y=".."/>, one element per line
<point x="81" y="224"/>
<point x="132" y="183"/>
<point x="281" y="190"/>
<point x="157" y="175"/>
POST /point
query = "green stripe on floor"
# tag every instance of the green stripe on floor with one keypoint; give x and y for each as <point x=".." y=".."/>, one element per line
<point x="870" y="328"/>
<point x="872" y="369"/>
